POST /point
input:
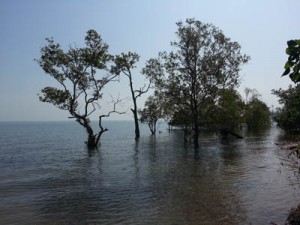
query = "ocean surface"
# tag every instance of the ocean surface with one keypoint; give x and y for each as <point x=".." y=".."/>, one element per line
<point x="48" y="176"/>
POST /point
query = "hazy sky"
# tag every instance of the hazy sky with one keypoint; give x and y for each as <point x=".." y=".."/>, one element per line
<point x="262" y="27"/>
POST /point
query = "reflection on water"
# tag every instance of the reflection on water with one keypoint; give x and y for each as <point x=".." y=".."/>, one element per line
<point x="48" y="177"/>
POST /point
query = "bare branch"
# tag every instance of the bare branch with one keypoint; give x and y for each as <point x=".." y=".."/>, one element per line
<point x="104" y="129"/>
<point x="142" y="90"/>
<point x="93" y="110"/>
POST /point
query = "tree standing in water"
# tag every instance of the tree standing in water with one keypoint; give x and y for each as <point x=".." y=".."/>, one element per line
<point x="152" y="112"/>
<point x="125" y="63"/>
<point x="204" y="62"/>
<point x="77" y="72"/>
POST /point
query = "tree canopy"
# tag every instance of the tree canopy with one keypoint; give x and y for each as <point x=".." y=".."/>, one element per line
<point x="230" y="109"/>
<point x="257" y="114"/>
<point x="289" y="116"/>
<point x="204" y="61"/>
<point x="195" y="83"/>
<point x="152" y="112"/>
<point x="81" y="73"/>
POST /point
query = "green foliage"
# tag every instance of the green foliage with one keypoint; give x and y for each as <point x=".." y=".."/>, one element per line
<point x="181" y="118"/>
<point x="230" y="108"/>
<point x="75" y="70"/>
<point x="59" y="98"/>
<point x="292" y="66"/>
<point x="125" y="62"/>
<point x="203" y="62"/>
<point x="289" y="116"/>
<point x="77" y="73"/>
<point x="152" y="112"/>
<point x="257" y="114"/>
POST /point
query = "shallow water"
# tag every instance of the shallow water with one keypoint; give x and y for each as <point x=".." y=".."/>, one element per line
<point x="49" y="177"/>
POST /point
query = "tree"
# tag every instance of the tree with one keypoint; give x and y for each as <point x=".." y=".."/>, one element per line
<point x="152" y="112"/>
<point x="204" y="62"/>
<point x="251" y="94"/>
<point x="257" y="114"/>
<point x="288" y="118"/>
<point x="292" y="66"/>
<point x="125" y="63"/>
<point x="230" y="109"/>
<point x="77" y="72"/>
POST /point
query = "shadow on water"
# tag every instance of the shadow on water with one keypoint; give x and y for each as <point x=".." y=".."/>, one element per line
<point x="186" y="189"/>
<point x="153" y="180"/>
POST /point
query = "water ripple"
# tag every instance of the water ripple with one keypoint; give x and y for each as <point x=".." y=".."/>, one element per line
<point x="49" y="177"/>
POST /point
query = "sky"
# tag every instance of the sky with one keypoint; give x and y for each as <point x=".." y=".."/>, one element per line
<point x="261" y="27"/>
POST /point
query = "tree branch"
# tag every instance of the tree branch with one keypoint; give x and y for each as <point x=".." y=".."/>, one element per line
<point x="104" y="129"/>
<point x="142" y="90"/>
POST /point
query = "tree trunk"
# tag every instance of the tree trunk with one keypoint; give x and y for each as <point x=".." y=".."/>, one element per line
<point x="134" y="110"/>
<point x="136" y="122"/>
<point x="91" y="141"/>
<point x="195" y="122"/>
<point x="196" y="134"/>
<point x="152" y="127"/>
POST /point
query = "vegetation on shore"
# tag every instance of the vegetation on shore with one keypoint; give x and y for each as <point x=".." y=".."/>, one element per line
<point x="288" y="117"/>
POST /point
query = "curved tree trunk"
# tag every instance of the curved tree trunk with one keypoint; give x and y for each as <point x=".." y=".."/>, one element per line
<point x="91" y="140"/>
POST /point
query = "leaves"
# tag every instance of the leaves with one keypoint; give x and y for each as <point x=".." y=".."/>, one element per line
<point x="257" y="114"/>
<point x="288" y="65"/>
<point x="289" y="116"/>
<point x="203" y="62"/>
<point x="293" y="51"/>
<point x="230" y="107"/>
<point x="286" y="72"/>
<point x="295" y="77"/>
<point x="292" y="43"/>
<point x="125" y="63"/>
<point x="76" y="71"/>
<point x="57" y="97"/>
